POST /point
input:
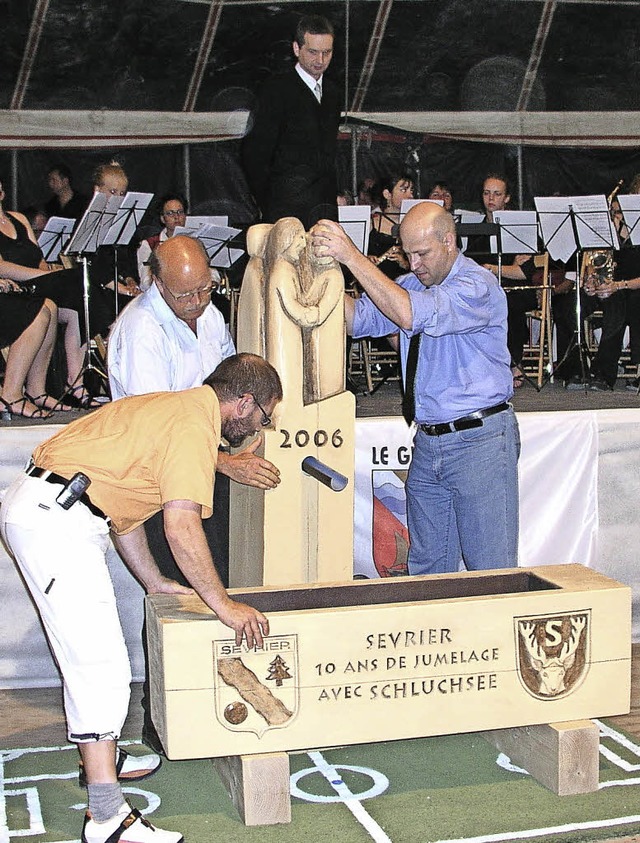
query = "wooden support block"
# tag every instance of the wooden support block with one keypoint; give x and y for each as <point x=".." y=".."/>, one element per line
<point x="258" y="786"/>
<point x="564" y="757"/>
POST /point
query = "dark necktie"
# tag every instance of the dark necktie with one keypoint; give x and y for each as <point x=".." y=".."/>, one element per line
<point x="409" y="398"/>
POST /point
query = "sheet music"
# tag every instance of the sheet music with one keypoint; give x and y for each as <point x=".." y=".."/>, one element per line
<point x="630" y="206"/>
<point x="193" y="223"/>
<point x="85" y="238"/>
<point x="462" y="216"/>
<point x="127" y="218"/>
<point x="216" y="241"/>
<point x="355" y="221"/>
<point x="593" y="222"/>
<point x="556" y="226"/>
<point x="407" y="204"/>
<point x="54" y="237"/>
<point x="108" y="216"/>
<point x="593" y="225"/>
<point x="518" y="232"/>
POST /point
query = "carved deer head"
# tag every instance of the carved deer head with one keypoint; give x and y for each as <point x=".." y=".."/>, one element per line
<point x="551" y="670"/>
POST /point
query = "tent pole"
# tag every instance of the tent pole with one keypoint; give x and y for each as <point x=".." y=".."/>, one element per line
<point x="354" y="162"/>
<point x="14" y="179"/>
<point x="186" y="175"/>
<point x="520" y="191"/>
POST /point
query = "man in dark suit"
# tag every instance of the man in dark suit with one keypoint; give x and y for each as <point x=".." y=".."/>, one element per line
<point x="289" y="153"/>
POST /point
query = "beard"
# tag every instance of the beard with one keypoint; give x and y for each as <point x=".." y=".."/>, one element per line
<point x="235" y="431"/>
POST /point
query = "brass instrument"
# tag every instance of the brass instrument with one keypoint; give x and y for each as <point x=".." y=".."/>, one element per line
<point x="598" y="265"/>
<point x="596" y="271"/>
<point x="614" y="193"/>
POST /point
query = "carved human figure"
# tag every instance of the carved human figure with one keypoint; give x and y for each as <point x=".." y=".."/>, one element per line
<point x="250" y="324"/>
<point x="326" y="354"/>
<point x="295" y="307"/>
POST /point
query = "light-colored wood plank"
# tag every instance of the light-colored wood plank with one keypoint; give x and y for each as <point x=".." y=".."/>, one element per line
<point x="258" y="786"/>
<point x="564" y="757"/>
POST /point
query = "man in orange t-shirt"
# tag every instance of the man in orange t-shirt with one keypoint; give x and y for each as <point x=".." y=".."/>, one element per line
<point x="141" y="455"/>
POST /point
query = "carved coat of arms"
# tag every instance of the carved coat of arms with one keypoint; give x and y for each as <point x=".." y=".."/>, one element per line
<point x="553" y="653"/>
<point x="256" y="690"/>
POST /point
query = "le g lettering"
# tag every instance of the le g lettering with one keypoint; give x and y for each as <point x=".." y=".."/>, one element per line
<point x="380" y="456"/>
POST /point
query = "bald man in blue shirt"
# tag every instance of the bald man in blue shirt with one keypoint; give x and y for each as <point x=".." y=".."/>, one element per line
<point x="462" y="487"/>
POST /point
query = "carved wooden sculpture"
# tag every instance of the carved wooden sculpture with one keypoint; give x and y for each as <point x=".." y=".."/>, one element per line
<point x="302" y="531"/>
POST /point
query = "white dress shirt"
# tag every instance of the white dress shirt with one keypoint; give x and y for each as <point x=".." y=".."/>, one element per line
<point x="151" y="350"/>
<point x="308" y="79"/>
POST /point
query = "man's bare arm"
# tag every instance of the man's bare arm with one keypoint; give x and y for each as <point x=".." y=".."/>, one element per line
<point x="183" y="529"/>
<point x="134" y="549"/>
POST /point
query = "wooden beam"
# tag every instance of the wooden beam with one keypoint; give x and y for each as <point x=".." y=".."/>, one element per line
<point x="258" y="786"/>
<point x="564" y="757"/>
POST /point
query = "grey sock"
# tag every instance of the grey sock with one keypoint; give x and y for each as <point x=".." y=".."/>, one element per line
<point x="105" y="800"/>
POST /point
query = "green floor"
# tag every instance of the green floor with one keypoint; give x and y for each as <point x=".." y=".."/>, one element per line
<point x="434" y="789"/>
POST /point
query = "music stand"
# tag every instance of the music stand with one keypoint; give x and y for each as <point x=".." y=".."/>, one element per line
<point x="355" y="221"/>
<point x="85" y="241"/>
<point x="570" y="225"/>
<point x="518" y="234"/>
<point x="217" y="240"/>
<point x="54" y="237"/>
<point x="630" y="207"/>
<point x="123" y="226"/>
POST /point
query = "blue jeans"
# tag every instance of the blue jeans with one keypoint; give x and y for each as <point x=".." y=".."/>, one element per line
<point x="462" y="498"/>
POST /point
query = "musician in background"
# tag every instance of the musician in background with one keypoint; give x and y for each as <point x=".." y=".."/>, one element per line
<point x="441" y="191"/>
<point x="65" y="202"/>
<point x="173" y="213"/>
<point x="619" y="299"/>
<point x="516" y="272"/>
<point x="384" y="248"/>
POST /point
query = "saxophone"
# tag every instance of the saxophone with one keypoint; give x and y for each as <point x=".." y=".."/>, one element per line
<point x="598" y="265"/>
<point x="596" y="272"/>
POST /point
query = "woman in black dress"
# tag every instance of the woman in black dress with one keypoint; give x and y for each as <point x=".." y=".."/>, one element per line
<point x="384" y="248"/>
<point x="28" y="325"/>
<point x="21" y="261"/>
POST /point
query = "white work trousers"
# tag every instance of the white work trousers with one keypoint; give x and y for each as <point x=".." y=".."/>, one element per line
<point x="62" y="556"/>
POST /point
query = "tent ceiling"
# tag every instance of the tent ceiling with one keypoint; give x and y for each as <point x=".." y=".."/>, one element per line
<point x="416" y="61"/>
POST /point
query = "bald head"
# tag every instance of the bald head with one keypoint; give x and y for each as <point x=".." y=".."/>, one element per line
<point x="180" y="269"/>
<point x="428" y="235"/>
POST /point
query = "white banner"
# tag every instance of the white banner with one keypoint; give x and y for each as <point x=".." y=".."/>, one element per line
<point x="558" y="473"/>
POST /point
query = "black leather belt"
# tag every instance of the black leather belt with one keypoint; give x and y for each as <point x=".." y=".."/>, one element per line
<point x="52" y="477"/>
<point x="464" y="423"/>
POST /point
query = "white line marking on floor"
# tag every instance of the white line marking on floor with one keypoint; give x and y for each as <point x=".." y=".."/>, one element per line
<point x="331" y="774"/>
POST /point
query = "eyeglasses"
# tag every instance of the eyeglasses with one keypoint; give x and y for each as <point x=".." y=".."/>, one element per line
<point x="179" y="213"/>
<point x="202" y="292"/>
<point x="115" y="192"/>
<point x="265" y="421"/>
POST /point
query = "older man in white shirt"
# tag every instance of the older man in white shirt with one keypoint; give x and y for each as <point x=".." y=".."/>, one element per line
<point x="154" y="349"/>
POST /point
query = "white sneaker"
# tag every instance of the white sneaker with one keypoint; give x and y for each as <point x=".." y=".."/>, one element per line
<point x="128" y="826"/>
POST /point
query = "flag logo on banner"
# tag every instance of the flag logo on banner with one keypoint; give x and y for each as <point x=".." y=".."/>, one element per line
<point x="256" y="690"/>
<point x="553" y="653"/>
<point x="389" y="522"/>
